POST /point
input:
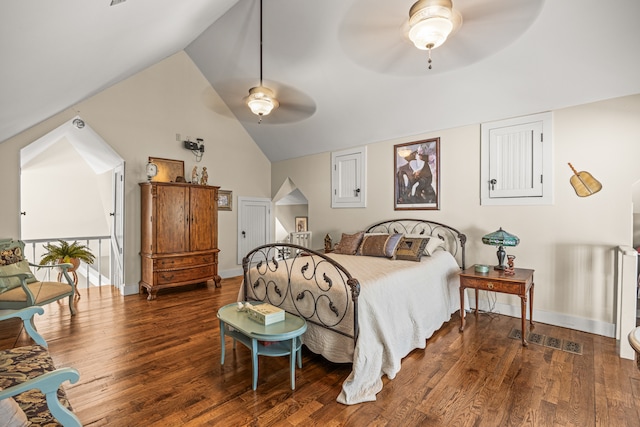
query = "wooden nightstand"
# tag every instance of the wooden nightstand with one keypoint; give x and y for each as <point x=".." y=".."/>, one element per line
<point x="496" y="281"/>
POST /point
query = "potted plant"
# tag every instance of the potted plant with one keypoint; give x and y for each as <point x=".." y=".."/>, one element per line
<point x="63" y="252"/>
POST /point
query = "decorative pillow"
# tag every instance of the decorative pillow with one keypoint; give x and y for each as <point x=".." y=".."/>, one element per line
<point x="349" y="243"/>
<point x="433" y="244"/>
<point x="380" y="245"/>
<point x="11" y="255"/>
<point x="15" y="268"/>
<point x="12" y="414"/>
<point x="411" y="248"/>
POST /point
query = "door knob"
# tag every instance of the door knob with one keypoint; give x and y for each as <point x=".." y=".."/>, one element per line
<point x="244" y="235"/>
<point x="493" y="182"/>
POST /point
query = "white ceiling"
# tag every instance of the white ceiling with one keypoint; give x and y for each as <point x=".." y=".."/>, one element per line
<point x="342" y="69"/>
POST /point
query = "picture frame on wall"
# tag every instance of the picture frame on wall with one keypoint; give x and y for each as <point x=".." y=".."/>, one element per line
<point x="417" y="175"/>
<point x="225" y="200"/>
<point x="301" y="224"/>
<point x="168" y="170"/>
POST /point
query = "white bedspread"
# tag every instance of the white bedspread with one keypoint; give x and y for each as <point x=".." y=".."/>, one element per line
<point x="401" y="304"/>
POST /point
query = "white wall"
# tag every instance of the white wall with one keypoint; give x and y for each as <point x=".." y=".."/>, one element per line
<point x="569" y="244"/>
<point x="140" y="117"/>
<point x="63" y="197"/>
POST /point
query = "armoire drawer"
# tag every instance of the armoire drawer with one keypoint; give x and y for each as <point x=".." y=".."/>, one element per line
<point x="203" y="273"/>
<point x="183" y="261"/>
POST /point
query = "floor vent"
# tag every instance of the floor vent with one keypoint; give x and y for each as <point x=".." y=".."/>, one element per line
<point x="552" y="342"/>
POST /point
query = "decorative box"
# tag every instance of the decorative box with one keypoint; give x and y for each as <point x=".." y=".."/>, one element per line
<point x="265" y="314"/>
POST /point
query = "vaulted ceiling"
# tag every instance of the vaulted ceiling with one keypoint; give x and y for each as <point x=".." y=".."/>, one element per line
<point x="343" y="70"/>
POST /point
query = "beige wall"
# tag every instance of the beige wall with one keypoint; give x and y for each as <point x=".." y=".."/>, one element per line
<point x="140" y="117"/>
<point x="569" y="244"/>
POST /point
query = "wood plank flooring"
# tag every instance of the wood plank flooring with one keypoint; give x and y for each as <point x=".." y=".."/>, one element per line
<point x="157" y="363"/>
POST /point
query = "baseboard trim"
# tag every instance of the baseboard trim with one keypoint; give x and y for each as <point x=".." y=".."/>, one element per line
<point x="234" y="272"/>
<point x="556" y="319"/>
<point x="129" y="289"/>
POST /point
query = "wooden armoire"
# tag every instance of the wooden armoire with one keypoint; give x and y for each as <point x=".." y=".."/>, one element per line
<point x="179" y="230"/>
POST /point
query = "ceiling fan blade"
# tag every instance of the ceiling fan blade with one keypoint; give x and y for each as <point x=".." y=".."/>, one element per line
<point x="374" y="34"/>
<point x="498" y="12"/>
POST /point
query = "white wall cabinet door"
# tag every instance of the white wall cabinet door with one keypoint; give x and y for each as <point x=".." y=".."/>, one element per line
<point x="348" y="178"/>
<point x="517" y="161"/>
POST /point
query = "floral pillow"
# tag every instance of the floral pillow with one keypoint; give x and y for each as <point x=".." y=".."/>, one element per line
<point x="11" y="255"/>
<point x="349" y="243"/>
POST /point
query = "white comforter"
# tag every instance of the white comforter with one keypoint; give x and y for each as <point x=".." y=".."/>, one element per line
<point x="401" y="304"/>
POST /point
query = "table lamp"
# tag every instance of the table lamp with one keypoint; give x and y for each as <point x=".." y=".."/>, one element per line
<point x="500" y="238"/>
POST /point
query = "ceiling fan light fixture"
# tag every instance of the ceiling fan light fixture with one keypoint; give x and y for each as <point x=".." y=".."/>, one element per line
<point x="430" y="22"/>
<point x="261" y="101"/>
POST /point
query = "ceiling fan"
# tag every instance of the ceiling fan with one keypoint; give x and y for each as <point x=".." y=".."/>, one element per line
<point x="236" y="67"/>
<point x="294" y="105"/>
<point x="375" y="34"/>
<point x="287" y="103"/>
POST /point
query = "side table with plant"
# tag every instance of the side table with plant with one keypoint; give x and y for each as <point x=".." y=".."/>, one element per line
<point x="64" y="252"/>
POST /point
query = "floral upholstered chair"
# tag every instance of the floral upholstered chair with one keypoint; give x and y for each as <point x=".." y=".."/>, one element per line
<point x="20" y="288"/>
<point x="31" y="386"/>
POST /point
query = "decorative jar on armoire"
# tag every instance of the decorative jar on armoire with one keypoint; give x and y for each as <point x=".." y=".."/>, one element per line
<point x="179" y="235"/>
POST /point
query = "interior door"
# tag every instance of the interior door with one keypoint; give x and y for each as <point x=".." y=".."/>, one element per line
<point x="116" y="258"/>
<point x="254" y="224"/>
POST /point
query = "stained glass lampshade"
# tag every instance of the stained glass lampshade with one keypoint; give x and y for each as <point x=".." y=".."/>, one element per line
<point x="500" y="239"/>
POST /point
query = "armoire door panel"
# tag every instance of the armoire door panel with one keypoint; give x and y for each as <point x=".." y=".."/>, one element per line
<point x="203" y="211"/>
<point x="172" y="216"/>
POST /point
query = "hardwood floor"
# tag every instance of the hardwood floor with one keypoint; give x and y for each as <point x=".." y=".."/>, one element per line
<point x="157" y="363"/>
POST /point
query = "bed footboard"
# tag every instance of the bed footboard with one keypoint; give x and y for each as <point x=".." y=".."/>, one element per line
<point x="305" y="283"/>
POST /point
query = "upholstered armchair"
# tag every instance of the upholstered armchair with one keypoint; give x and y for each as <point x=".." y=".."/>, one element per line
<point x="20" y="288"/>
<point x="31" y="391"/>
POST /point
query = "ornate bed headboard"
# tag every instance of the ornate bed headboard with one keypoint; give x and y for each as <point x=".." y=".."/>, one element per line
<point x="453" y="240"/>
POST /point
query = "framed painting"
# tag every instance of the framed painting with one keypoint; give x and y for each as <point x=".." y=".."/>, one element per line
<point x="168" y="170"/>
<point x="225" y="200"/>
<point x="417" y="175"/>
<point x="301" y="223"/>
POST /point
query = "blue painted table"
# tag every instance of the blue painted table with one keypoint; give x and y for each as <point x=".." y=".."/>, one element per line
<point x="283" y="337"/>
